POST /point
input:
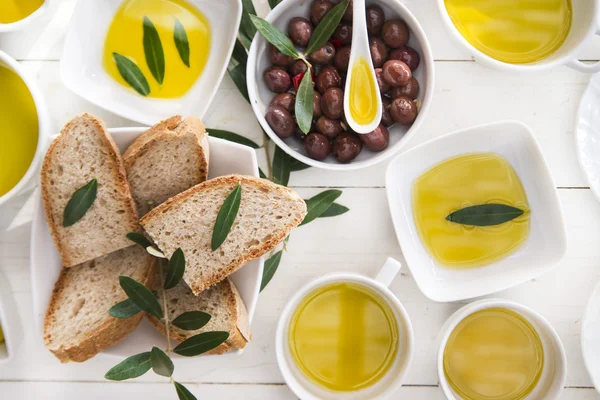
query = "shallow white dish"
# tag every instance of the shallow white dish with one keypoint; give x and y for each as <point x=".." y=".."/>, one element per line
<point x="590" y="337"/>
<point x="81" y="67"/>
<point x="260" y="96"/>
<point x="225" y="158"/>
<point x="587" y="134"/>
<point x="546" y="244"/>
<point x="23" y="23"/>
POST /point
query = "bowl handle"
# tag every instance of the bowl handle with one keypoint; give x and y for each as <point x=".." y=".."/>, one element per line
<point x="388" y="272"/>
<point x="586" y="68"/>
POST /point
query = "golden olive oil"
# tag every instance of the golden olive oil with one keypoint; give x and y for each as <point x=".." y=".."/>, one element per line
<point x="363" y="93"/>
<point x="513" y="31"/>
<point x="343" y="337"/>
<point x="18" y="129"/>
<point x="460" y="182"/>
<point x="125" y="36"/>
<point x="494" y="354"/>
<point x="16" y="10"/>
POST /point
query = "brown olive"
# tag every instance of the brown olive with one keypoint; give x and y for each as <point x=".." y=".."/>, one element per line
<point x="317" y="146"/>
<point x="342" y="58"/>
<point x="375" y="19"/>
<point x="329" y="127"/>
<point x="328" y="77"/>
<point x="396" y="73"/>
<point x="346" y="147"/>
<point x="408" y="55"/>
<point x="279" y="59"/>
<point x="384" y="87"/>
<point x="281" y="121"/>
<point x="324" y="55"/>
<point x="379" y="51"/>
<point x="318" y="9"/>
<point x="316" y="105"/>
<point x="343" y="33"/>
<point x="285" y="100"/>
<point x="411" y="89"/>
<point x="395" y="33"/>
<point x="298" y="134"/>
<point x="332" y="103"/>
<point x="403" y="110"/>
<point x="300" y="30"/>
<point x="376" y="140"/>
<point x="297" y="67"/>
<point x="349" y="14"/>
<point x="277" y="80"/>
<point x="386" y="117"/>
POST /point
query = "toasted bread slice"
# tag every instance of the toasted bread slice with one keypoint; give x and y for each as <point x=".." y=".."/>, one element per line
<point x="167" y="159"/>
<point x="222" y="301"/>
<point x="267" y="214"/>
<point x="84" y="151"/>
<point x="77" y="324"/>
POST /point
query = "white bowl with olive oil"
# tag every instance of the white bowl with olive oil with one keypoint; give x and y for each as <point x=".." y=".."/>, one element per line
<point x="18" y="14"/>
<point x="24" y="128"/>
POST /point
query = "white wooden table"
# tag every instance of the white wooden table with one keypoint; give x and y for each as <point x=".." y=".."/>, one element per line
<point x="466" y="94"/>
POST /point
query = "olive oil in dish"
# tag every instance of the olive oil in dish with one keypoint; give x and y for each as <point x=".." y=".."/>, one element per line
<point x="465" y="181"/>
<point x="16" y="10"/>
<point x="18" y="129"/>
<point x="494" y="354"/>
<point x="172" y="19"/>
<point x="512" y="31"/>
<point x="343" y="337"/>
<point x="363" y="93"/>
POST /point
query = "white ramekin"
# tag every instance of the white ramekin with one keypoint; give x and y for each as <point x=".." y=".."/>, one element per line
<point x="23" y="23"/>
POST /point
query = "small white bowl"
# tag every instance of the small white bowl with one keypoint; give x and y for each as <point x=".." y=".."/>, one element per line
<point x="546" y="244"/>
<point x="260" y="96"/>
<point x="81" y="68"/>
<point x="590" y="337"/>
<point x="554" y="373"/>
<point x="44" y="127"/>
<point x="44" y="262"/>
<point x="23" y="23"/>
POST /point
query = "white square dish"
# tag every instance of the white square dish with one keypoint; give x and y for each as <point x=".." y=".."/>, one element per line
<point x="546" y="244"/>
<point x="81" y="67"/>
<point x="225" y="158"/>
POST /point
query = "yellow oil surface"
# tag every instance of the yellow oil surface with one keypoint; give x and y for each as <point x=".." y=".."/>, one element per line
<point x="18" y="129"/>
<point x="16" y="10"/>
<point x="494" y="354"/>
<point x="363" y="93"/>
<point x="460" y="182"/>
<point x="343" y="337"/>
<point x="125" y="36"/>
<point x="513" y="31"/>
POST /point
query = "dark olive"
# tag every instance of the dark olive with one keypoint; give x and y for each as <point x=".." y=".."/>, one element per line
<point x="317" y="146"/>
<point x="285" y="100"/>
<point x="346" y="147"/>
<point x="376" y="140"/>
<point x="324" y="55"/>
<point x="411" y="89"/>
<point x="298" y="134"/>
<point x="396" y="73"/>
<point x="384" y="87"/>
<point x="343" y="33"/>
<point x="379" y="51"/>
<point x="375" y="19"/>
<point x="395" y="33"/>
<point x="277" y="80"/>
<point x="279" y="59"/>
<point x="408" y="55"/>
<point x="328" y="77"/>
<point x="281" y="121"/>
<point x="403" y="110"/>
<point x="332" y="103"/>
<point x="386" y="117"/>
<point x="342" y="58"/>
<point x="300" y="30"/>
<point x="297" y="67"/>
<point x="318" y="9"/>
<point x="329" y="127"/>
<point x="316" y="105"/>
<point x="349" y="14"/>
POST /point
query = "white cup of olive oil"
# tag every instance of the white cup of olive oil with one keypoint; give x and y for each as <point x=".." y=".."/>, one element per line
<point x="345" y="336"/>
<point x="499" y="349"/>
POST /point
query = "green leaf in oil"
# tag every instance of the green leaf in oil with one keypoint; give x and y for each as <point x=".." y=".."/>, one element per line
<point x="181" y="42"/>
<point x="132" y="74"/>
<point x="485" y="215"/>
<point x="153" y="50"/>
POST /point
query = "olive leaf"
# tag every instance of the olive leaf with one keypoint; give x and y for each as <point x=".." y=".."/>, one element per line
<point x="262" y="174"/>
<point x="132" y="74"/>
<point x="80" y="202"/>
<point x="161" y="363"/>
<point x="275" y="36"/>
<point x="201" y="343"/>
<point x="182" y="392"/>
<point x="232" y="137"/>
<point x="247" y="29"/>
<point x="326" y="27"/>
<point x="271" y="266"/>
<point x="304" y="103"/>
<point x="141" y="296"/>
<point x="181" y="42"/>
<point x="298" y="165"/>
<point x="124" y="309"/>
<point x="273" y="3"/>
<point x="485" y="215"/>
<point x="131" y="367"/>
<point x="155" y="252"/>
<point x="237" y="68"/>
<point x="139" y="239"/>
<point x="281" y="166"/>
<point x="334" y="210"/>
<point x="318" y="204"/>
<point x="226" y="217"/>
<point x="153" y="50"/>
<point x="176" y="269"/>
<point x="191" y="320"/>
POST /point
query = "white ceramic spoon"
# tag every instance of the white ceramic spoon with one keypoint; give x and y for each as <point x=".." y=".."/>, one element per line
<point x="365" y="76"/>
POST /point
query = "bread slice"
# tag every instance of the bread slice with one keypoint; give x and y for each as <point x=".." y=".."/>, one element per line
<point x="267" y="214"/>
<point x="222" y="301"/>
<point x="77" y="324"/>
<point x="83" y="151"/>
<point x="167" y="159"/>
